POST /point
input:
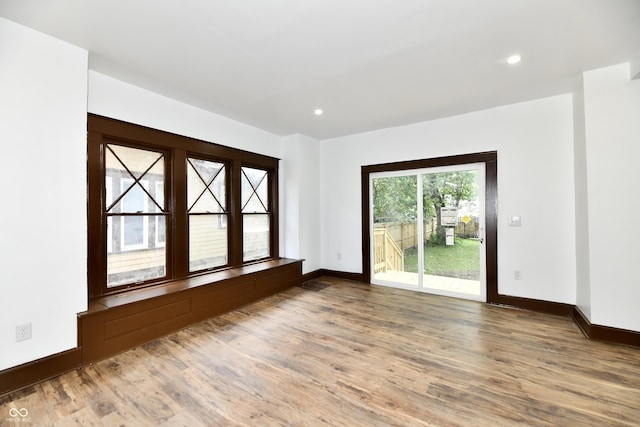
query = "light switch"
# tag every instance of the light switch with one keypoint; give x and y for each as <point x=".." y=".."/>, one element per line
<point x="514" y="221"/>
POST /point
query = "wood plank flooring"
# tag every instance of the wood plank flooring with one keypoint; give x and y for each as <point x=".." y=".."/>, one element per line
<point x="351" y="354"/>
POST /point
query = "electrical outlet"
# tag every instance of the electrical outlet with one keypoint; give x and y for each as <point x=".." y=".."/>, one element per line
<point x="23" y="332"/>
<point x="517" y="274"/>
<point x="339" y="256"/>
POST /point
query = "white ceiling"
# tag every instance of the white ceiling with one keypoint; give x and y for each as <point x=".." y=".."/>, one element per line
<point x="368" y="64"/>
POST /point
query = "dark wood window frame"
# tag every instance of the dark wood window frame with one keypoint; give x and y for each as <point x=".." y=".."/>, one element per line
<point x="266" y="207"/>
<point x="103" y="130"/>
<point x="490" y="159"/>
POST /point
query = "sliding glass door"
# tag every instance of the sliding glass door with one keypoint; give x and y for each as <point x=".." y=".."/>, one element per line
<point x="395" y="228"/>
<point x="428" y="230"/>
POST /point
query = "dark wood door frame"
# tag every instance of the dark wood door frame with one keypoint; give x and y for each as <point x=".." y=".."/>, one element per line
<point x="490" y="160"/>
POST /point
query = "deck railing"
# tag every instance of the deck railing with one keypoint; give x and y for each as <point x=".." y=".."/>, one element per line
<point x="387" y="253"/>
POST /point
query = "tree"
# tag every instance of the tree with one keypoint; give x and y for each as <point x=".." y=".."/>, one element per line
<point x="446" y="189"/>
<point x="395" y="199"/>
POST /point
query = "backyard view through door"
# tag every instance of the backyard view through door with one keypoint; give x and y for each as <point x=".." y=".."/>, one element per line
<point x="428" y="230"/>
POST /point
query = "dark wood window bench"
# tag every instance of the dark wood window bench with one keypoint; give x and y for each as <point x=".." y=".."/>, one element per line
<point x="119" y="322"/>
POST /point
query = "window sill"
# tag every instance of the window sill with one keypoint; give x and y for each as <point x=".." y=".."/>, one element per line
<point x="141" y="294"/>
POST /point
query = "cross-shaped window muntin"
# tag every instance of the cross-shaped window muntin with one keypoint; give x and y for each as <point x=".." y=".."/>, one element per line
<point x="136" y="180"/>
<point x="254" y="191"/>
<point x="207" y="187"/>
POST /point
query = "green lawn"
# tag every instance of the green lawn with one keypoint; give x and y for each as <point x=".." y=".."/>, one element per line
<point x="460" y="260"/>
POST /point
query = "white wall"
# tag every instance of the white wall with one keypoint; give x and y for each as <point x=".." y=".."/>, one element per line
<point x="612" y="112"/>
<point x="583" y="282"/>
<point x="43" y="95"/>
<point x="113" y="98"/>
<point x="534" y="141"/>
<point x="301" y="214"/>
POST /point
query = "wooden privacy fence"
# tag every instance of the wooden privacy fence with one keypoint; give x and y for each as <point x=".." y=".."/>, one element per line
<point x="469" y="230"/>
<point x="390" y="240"/>
<point x="405" y="234"/>
<point x="388" y="255"/>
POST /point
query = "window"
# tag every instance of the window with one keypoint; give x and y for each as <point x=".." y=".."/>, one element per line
<point x="163" y="207"/>
<point x="132" y="255"/>
<point x="256" y="218"/>
<point x="207" y="207"/>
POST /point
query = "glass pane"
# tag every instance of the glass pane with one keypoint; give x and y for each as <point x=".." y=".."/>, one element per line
<point x="255" y="241"/>
<point x="206" y="169"/>
<point x="123" y="166"/>
<point x="207" y="241"/>
<point x="131" y="260"/>
<point x="108" y="189"/>
<point x="161" y="230"/>
<point x="206" y="189"/>
<point x="133" y="231"/>
<point x="442" y="246"/>
<point x="159" y="196"/>
<point x="451" y="232"/>
<point x="135" y="199"/>
<point x="207" y="203"/>
<point x="255" y="191"/>
<point x="395" y="231"/>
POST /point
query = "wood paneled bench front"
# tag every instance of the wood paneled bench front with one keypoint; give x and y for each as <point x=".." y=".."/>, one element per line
<point x="115" y="323"/>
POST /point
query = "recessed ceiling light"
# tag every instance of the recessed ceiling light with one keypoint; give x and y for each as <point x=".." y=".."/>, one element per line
<point x="514" y="59"/>
<point x="318" y="112"/>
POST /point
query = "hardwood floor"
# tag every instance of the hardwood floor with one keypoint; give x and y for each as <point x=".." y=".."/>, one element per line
<point x="351" y="354"/>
